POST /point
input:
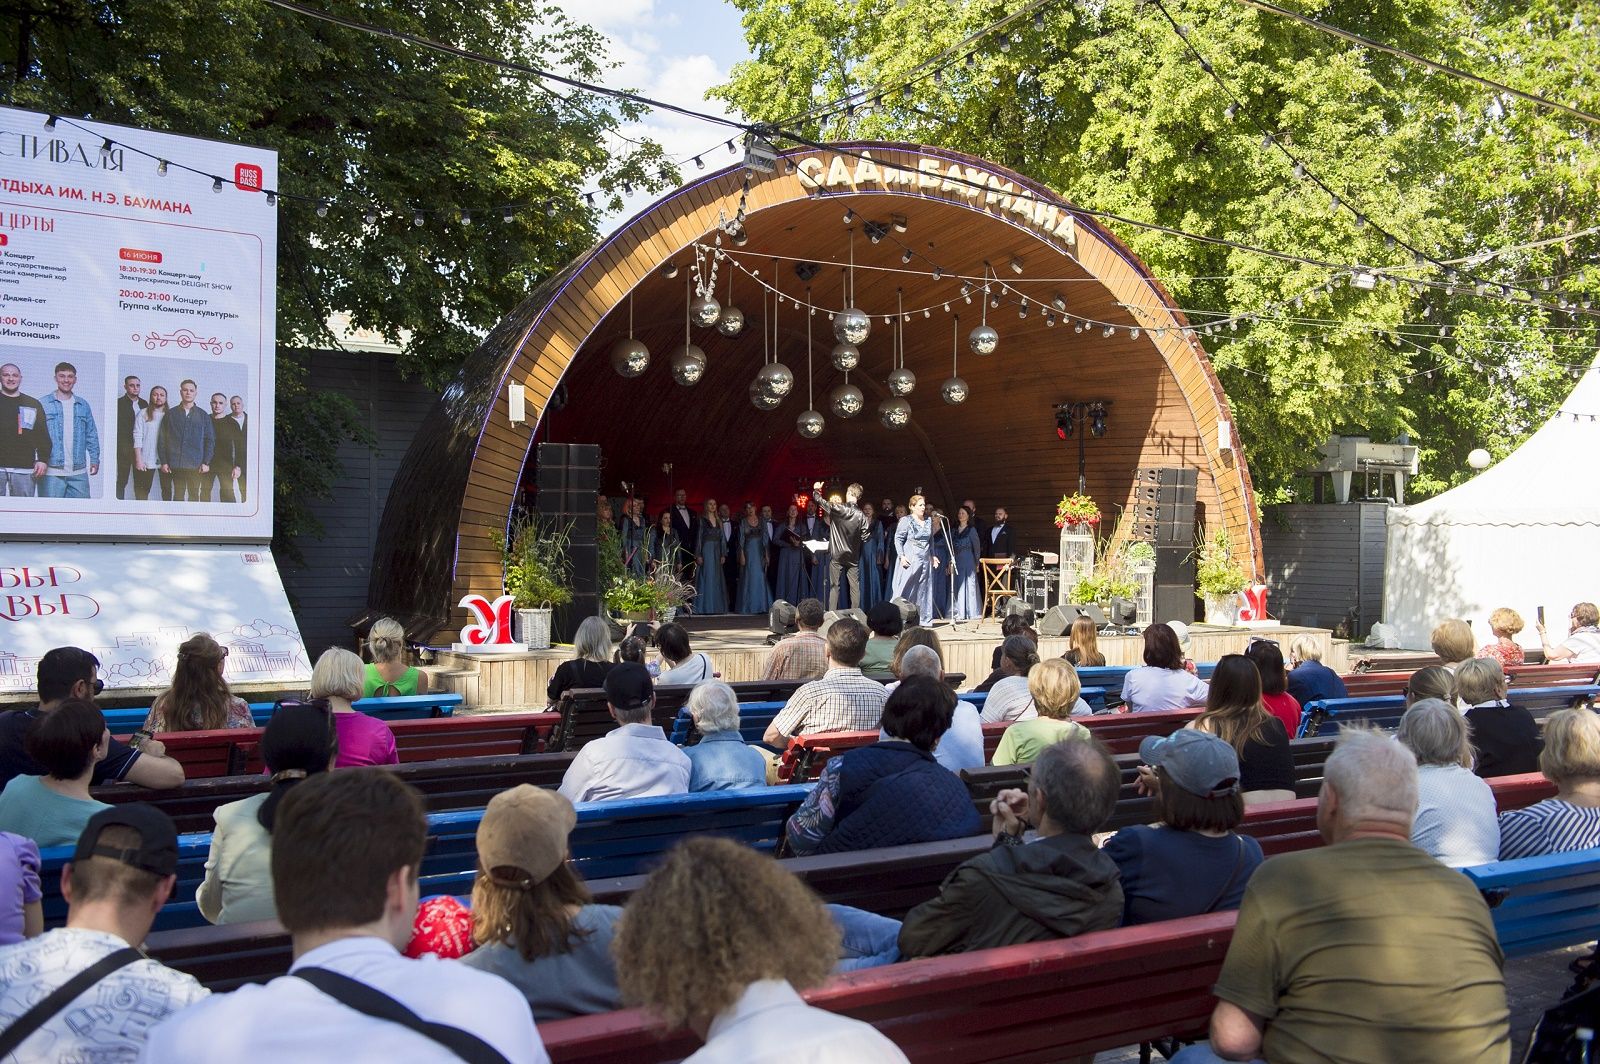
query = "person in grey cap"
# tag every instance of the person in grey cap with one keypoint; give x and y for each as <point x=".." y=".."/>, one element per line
<point x="634" y="760"/>
<point x="1192" y="861"/>
<point x="121" y="874"/>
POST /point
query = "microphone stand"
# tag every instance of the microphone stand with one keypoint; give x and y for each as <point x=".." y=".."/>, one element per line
<point x="950" y="552"/>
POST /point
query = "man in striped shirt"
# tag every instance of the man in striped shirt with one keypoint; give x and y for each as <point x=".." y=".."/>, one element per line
<point x="843" y="700"/>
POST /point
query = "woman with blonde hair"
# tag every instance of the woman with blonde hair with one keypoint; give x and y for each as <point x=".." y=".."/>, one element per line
<point x="591" y="659"/>
<point x="1054" y="687"/>
<point x="199" y="699"/>
<point x="1504" y="623"/>
<point x="1235" y="714"/>
<point x="1506" y="737"/>
<point x="914" y="568"/>
<point x="1570" y="820"/>
<point x="695" y="948"/>
<point x="387" y="674"/>
<point x="1432" y="681"/>
<point x="915" y="636"/>
<point x="1452" y="641"/>
<point x="1083" y="650"/>
<point x="363" y="740"/>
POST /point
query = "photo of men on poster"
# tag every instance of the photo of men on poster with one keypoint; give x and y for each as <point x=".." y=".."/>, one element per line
<point x="52" y="414"/>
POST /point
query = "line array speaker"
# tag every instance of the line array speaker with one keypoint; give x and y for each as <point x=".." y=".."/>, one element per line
<point x="568" y="479"/>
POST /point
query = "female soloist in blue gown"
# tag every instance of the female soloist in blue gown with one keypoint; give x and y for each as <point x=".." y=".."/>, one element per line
<point x="753" y="594"/>
<point x="791" y="559"/>
<point x="913" y="573"/>
<point x="871" y="555"/>
<point x="711" y="596"/>
<point x="965" y="540"/>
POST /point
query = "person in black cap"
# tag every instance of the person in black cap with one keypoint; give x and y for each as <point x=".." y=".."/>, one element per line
<point x="634" y="760"/>
<point x="121" y="874"/>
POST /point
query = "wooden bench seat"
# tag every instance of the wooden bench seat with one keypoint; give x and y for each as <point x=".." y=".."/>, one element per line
<point x="126" y="721"/>
<point x="1327" y="716"/>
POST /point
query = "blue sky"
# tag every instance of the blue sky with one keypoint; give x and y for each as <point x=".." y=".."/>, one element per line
<point x="671" y="50"/>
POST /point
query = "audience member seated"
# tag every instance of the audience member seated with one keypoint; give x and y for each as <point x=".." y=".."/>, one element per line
<point x="532" y="917"/>
<point x="962" y="746"/>
<point x="721" y="761"/>
<point x="591" y="659"/>
<point x="21" y="915"/>
<point x="1181" y="630"/>
<point x="912" y="636"/>
<point x="69" y="672"/>
<point x="1506" y="737"/>
<point x="346" y="847"/>
<point x="199" y="699"/>
<point x="843" y="700"/>
<point x="1455" y="809"/>
<point x="1083" y="650"/>
<point x="1234" y="712"/>
<point x="1582" y="644"/>
<point x="1191" y="861"/>
<point x="1504" y="624"/>
<point x="804" y="655"/>
<point x="1057" y="885"/>
<point x="633" y="760"/>
<point x="633" y="649"/>
<point x="1452" y="641"/>
<point x="1363" y="950"/>
<point x="1162" y="683"/>
<point x="1053" y="687"/>
<point x="884" y="621"/>
<point x="298" y="742"/>
<point x="1570" y="820"/>
<point x="893" y="792"/>
<point x="1008" y="698"/>
<point x="387" y="674"/>
<point x="1011" y="624"/>
<point x="53" y="809"/>
<point x="679" y="663"/>
<point x="1275" y="697"/>
<point x="1309" y="679"/>
<point x="1432" y="681"/>
<point x="121" y="874"/>
<point x="696" y="948"/>
<point x="363" y="740"/>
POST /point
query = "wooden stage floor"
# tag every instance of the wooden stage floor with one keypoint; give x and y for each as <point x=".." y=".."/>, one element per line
<point x="737" y="645"/>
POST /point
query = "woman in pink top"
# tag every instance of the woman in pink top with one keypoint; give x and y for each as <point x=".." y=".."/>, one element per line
<point x="363" y="740"/>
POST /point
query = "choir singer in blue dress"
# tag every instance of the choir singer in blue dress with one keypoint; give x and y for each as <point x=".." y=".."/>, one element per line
<point x="964" y="540"/>
<point x="914" y="569"/>
<point x="754" y="596"/>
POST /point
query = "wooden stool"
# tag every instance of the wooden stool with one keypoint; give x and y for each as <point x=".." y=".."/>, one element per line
<point x="996" y="584"/>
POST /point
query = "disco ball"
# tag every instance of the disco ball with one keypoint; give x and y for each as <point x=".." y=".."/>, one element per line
<point x="731" y="322"/>
<point x="761" y="400"/>
<point x="847" y="400"/>
<point x="688" y="365"/>
<point x="775" y="379"/>
<point x="630" y="357"/>
<point x="902" y="381"/>
<point x="894" y="413"/>
<point x="954" y="391"/>
<point x="705" y="311"/>
<point x="851" y="326"/>
<point x="809" y="424"/>
<point x="983" y="340"/>
<point x="846" y="357"/>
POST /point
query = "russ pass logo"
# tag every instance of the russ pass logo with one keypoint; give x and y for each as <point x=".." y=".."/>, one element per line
<point x="247" y="177"/>
<point x="31" y="593"/>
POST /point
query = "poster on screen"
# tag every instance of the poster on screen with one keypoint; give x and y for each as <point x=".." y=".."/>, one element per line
<point x="137" y="332"/>
<point x="132" y="606"/>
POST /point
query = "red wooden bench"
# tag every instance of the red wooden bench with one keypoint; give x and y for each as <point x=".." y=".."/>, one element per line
<point x="1362" y="684"/>
<point x="236" y="751"/>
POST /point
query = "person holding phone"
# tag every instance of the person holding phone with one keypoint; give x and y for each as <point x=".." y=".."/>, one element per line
<point x="1582" y="644"/>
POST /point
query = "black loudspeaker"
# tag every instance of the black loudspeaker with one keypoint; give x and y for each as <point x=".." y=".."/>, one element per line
<point x="1021" y="607"/>
<point x="1123" y="612"/>
<point x="910" y="616"/>
<point x="1093" y="612"/>
<point x="1163" y="508"/>
<point x="1174" y="564"/>
<point x="1174" y="602"/>
<point x="568" y="479"/>
<point x="1056" y="622"/>
<point x="833" y="615"/>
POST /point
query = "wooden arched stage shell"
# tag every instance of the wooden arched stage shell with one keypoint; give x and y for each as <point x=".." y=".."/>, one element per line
<point x="458" y="482"/>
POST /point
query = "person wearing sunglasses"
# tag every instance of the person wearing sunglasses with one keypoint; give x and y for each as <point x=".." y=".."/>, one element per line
<point x="69" y="673"/>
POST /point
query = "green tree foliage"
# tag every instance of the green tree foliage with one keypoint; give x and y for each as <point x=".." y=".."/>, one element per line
<point x="364" y="124"/>
<point x="1106" y="103"/>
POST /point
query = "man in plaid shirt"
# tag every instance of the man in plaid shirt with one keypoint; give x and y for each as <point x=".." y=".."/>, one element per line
<point x="843" y="700"/>
<point x="803" y="656"/>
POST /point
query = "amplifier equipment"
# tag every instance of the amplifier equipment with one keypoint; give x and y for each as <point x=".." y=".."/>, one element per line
<point x="1039" y="588"/>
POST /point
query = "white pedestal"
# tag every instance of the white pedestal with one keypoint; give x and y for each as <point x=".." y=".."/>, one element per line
<point x="1077" y="560"/>
<point x="492" y="648"/>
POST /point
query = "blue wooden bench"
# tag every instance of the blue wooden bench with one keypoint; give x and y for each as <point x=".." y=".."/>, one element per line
<point x="1542" y="903"/>
<point x="1326" y="716"/>
<point x="616" y="838"/>
<point x="126" y="721"/>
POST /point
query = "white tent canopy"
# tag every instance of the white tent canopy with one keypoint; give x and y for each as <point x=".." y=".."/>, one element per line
<point x="1524" y="533"/>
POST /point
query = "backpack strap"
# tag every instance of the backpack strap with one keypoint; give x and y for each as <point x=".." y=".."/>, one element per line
<point x="62" y="996"/>
<point x="357" y="995"/>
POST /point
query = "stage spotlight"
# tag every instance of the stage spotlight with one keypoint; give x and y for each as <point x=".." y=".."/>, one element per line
<point x="1063" y="422"/>
<point x="1097" y="420"/>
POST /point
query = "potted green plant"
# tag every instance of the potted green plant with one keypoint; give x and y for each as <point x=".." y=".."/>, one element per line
<point x="630" y="599"/>
<point x="671" y="594"/>
<point x="1220" y="579"/>
<point x="538" y="574"/>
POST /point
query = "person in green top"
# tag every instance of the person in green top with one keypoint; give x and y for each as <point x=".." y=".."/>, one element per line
<point x="388" y="675"/>
<point x="1366" y="949"/>
<point x="1054" y="687"/>
<point x="53" y="809"/>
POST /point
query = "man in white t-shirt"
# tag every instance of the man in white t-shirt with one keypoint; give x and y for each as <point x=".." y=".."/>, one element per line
<point x="346" y="847"/>
<point x="121" y="874"/>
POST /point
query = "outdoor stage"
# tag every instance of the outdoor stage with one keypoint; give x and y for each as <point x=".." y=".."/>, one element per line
<point x="737" y="646"/>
